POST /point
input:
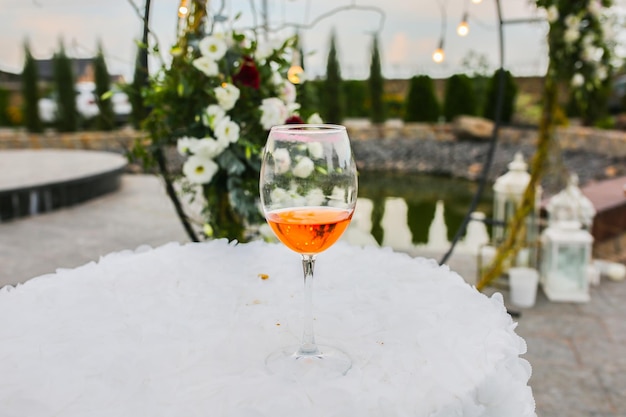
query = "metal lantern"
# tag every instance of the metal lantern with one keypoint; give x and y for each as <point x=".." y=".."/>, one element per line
<point x="566" y="256"/>
<point x="508" y="193"/>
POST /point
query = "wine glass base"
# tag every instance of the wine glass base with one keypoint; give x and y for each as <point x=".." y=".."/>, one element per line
<point x="326" y="361"/>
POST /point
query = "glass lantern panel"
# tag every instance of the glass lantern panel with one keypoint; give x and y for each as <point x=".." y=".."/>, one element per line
<point x="570" y="267"/>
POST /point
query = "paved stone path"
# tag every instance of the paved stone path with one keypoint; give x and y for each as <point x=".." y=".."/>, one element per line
<point x="578" y="351"/>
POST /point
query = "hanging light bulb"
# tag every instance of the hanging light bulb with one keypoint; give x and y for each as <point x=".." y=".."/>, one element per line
<point x="183" y="10"/>
<point x="439" y="55"/>
<point x="463" y="28"/>
<point x="295" y="74"/>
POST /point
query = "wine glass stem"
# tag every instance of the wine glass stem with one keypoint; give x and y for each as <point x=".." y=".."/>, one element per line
<point x="308" y="346"/>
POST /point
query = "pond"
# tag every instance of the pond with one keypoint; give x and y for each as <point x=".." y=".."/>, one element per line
<point x="405" y="211"/>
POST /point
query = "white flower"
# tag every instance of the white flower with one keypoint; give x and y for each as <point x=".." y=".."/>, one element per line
<point x="316" y="150"/>
<point x="186" y="145"/>
<point x="571" y="35"/>
<point x="315" y="197"/>
<point x="213" y="115"/>
<point x="304" y="168"/>
<point x="227" y="95"/>
<point x="277" y="80"/>
<point x="264" y="49"/>
<point x="209" y="148"/>
<point x="273" y="112"/>
<point x="315" y="119"/>
<point x="227" y="131"/>
<point x="282" y="160"/>
<point x="279" y="195"/>
<point x="199" y="170"/>
<point x="572" y="21"/>
<point x="207" y="66"/>
<point x="288" y="92"/>
<point x="337" y="197"/>
<point x="292" y="108"/>
<point x="602" y="73"/>
<point x="553" y="14"/>
<point x="595" y="8"/>
<point x="577" y="80"/>
<point x="212" y="47"/>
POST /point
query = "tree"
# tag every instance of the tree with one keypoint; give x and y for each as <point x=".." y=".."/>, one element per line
<point x="141" y="75"/>
<point x="376" y="86"/>
<point x="421" y="102"/>
<point x="333" y="99"/>
<point x="67" y="120"/>
<point x="106" y="118"/>
<point x="459" y="98"/>
<point x="508" y="103"/>
<point x="30" y="92"/>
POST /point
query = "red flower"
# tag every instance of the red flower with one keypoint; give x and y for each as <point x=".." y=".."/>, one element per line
<point x="248" y="75"/>
<point x="294" y="120"/>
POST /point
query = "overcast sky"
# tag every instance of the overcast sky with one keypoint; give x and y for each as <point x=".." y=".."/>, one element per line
<point x="409" y="32"/>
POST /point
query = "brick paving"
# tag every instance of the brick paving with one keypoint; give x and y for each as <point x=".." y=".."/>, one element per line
<point x="578" y="351"/>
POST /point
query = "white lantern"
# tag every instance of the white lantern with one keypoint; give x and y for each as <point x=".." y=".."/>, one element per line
<point x="508" y="194"/>
<point x="571" y="205"/>
<point x="566" y="256"/>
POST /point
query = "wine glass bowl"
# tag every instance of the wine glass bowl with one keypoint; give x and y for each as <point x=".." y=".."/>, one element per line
<point x="308" y="189"/>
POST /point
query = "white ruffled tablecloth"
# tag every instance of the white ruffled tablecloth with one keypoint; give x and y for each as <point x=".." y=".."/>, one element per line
<point x="183" y="330"/>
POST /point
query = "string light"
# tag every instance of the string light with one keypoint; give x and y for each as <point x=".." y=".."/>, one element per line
<point x="477" y="1"/>
<point x="463" y="28"/>
<point x="183" y="10"/>
<point x="439" y="55"/>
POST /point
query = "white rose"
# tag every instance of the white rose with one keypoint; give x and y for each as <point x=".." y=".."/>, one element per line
<point x="207" y="66"/>
<point x="577" y="80"/>
<point x="212" y="47"/>
<point x="227" y="131"/>
<point x="571" y="35"/>
<point x="288" y="92"/>
<point x="316" y="150"/>
<point x="315" y="119"/>
<point x="199" y="170"/>
<point x="273" y="112"/>
<point x="304" y="168"/>
<point x="227" y="95"/>
<point x="282" y="161"/>
<point x="209" y="148"/>
<point x="186" y="145"/>
<point x="279" y="195"/>
<point x="213" y="115"/>
<point x="315" y="197"/>
<point x="595" y="8"/>
<point x="553" y="14"/>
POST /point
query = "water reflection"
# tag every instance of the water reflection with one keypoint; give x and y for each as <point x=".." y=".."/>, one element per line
<point x="414" y="212"/>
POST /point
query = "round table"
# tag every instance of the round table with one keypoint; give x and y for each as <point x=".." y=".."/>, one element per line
<point x="183" y="330"/>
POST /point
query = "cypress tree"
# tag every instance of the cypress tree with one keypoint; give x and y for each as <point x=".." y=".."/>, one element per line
<point x="508" y="103"/>
<point x="376" y="86"/>
<point x="460" y="98"/>
<point x="30" y="92"/>
<point x="333" y="103"/>
<point x="67" y="120"/>
<point x="421" y="102"/>
<point x="106" y="118"/>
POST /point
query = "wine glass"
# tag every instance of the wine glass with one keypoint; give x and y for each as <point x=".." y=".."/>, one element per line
<point x="308" y="190"/>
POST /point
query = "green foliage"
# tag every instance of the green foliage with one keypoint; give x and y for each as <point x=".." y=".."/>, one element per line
<point x="67" y="120"/>
<point x="106" y="118"/>
<point x="5" y="119"/>
<point x="134" y="90"/>
<point x="376" y="86"/>
<point x="421" y="102"/>
<point x="459" y="98"/>
<point x="357" y="100"/>
<point x="508" y="99"/>
<point x="30" y="92"/>
<point x="333" y="104"/>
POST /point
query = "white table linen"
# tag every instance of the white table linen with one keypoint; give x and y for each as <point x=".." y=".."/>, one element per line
<point x="183" y="330"/>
